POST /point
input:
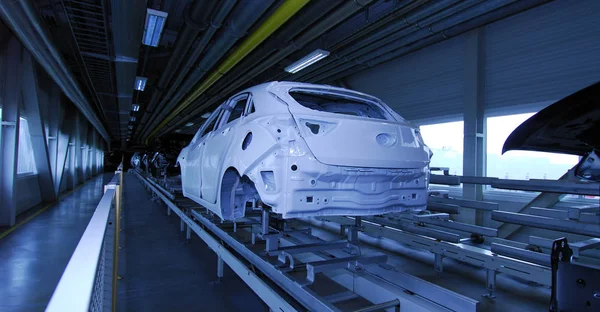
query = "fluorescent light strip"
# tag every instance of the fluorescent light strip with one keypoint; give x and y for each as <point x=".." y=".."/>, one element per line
<point x="132" y="118"/>
<point x="155" y="24"/>
<point x="135" y="107"/>
<point x="140" y="83"/>
<point x="306" y="61"/>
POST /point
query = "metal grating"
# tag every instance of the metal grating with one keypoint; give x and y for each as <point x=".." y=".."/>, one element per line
<point x="97" y="302"/>
<point x="87" y="20"/>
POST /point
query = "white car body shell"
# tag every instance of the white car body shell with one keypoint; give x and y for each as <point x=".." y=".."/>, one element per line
<point x="351" y="165"/>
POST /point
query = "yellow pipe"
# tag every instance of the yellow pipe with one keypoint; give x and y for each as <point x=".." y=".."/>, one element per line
<point x="283" y="13"/>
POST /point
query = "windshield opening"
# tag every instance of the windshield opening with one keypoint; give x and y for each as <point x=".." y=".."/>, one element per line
<point x="338" y="104"/>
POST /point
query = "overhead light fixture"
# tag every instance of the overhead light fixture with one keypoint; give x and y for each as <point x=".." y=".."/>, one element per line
<point x="155" y="24"/>
<point x="140" y="83"/>
<point x="130" y="127"/>
<point x="205" y="115"/>
<point x="178" y="130"/>
<point x="189" y="124"/>
<point x="135" y="107"/>
<point x="306" y="61"/>
<point x="132" y="119"/>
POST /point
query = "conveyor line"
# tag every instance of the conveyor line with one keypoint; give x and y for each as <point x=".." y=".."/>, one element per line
<point x="373" y="283"/>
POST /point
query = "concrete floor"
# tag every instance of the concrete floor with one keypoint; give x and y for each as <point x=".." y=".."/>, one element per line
<point x="164" y="272"/>
<point x="161" y="271"/>
<point x="34" y="256"/>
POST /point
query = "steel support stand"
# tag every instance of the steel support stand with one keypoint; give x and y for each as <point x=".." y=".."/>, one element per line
<point x="219" y="268"/>
<point x="438" y="266"/>
<point x="181" y="225"/>
<point x="271" y="240"/>
<point x="353" y="230"/>
<point x="188" y="233"/>
<point x="265" y="222"/>
<point x="491" y="284"/>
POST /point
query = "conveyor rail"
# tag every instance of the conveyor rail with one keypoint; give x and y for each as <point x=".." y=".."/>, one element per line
<point x="532" y="185"/>
<point x="379" y="285"/>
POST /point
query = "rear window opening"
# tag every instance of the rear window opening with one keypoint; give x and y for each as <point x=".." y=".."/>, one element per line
<point x="339" y="104"/>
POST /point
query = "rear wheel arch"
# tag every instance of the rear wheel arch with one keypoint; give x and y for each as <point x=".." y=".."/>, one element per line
<point x="235" y="191"/>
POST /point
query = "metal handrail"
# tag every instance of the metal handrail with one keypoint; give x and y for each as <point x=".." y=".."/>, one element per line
<point x="82" y="285"/>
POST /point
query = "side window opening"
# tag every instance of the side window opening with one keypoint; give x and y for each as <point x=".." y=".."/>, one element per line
<point x="237" y="110"/>
<point x="211" y="121"/>
<point x="250" y="105"/>
<point x="210" y="127"/>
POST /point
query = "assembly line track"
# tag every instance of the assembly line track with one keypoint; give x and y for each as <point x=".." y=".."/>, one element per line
<point x="374" y="287"/>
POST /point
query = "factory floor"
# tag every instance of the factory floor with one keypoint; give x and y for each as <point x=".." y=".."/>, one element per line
<point x="162" y="271"/>
<point x="34" y="255"/>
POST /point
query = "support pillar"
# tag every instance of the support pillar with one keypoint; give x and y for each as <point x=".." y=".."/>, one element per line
<point x="34" y="101"/>
<point x="353" y="230"/>
<point x="9" y="132"/>
<point x="219" y="268"/>
<point x="474" y="123"/>
<point x="490" y="284"/>
<point x="438" y="265"/>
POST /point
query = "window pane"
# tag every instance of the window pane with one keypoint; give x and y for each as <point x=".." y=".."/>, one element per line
<point x="521" y="165"/>
<point x="210" y="126"/>
<point x="446" y="142"/>
<point x="26" y="160"/>
<point x="237" y="111"/>
<point x="251" y="107"/>
<point x="84" y="157"/>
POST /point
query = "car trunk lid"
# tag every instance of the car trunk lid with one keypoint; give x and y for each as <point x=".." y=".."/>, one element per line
<point x="347" y="130"/>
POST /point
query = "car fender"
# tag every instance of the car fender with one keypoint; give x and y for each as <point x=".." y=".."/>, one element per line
<point x="265" y="152"/>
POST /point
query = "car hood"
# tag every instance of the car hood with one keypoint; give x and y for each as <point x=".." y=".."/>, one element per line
<point x="569" y="126"/>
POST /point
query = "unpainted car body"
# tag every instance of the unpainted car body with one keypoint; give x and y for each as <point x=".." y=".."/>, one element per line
<point x="305" y="150"/>
<point x="135" y="160"/>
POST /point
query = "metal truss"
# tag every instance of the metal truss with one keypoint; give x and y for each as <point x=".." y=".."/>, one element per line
<point x="66" y="147"/>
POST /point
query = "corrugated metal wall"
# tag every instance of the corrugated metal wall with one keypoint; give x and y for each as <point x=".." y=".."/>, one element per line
<point x="542" y="54"/>
<point x="423" y="84"/>
<point x="537" y="56"/>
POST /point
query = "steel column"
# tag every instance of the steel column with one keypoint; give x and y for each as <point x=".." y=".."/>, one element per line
<point x="33" y="100"/>
<point x="53" y="119"/>
<point x="474" y="122"/>
<point x="9" y="134"/>
<point x="63" y="147"/>
<point x="83" y="149"/>
<point x="219" y="266"/>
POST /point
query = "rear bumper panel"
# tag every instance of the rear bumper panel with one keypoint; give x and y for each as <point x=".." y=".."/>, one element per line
<point x="317" y="189"/>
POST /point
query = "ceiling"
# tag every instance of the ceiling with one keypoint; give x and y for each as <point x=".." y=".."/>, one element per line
<point x="210" y="50"/>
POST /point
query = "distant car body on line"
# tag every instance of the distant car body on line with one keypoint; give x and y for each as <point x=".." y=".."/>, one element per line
<point x="305" y="150"/>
